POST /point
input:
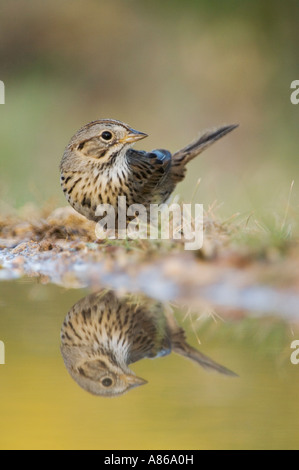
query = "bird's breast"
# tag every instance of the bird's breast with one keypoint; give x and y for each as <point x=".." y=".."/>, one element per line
<point x="86" y="190"/>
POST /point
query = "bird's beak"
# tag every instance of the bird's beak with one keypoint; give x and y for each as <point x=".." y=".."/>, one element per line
<point x="134" y="381"/>
<point x="133" y="136"/>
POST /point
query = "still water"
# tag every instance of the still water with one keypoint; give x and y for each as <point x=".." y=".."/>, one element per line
<point x="49" y="396"/>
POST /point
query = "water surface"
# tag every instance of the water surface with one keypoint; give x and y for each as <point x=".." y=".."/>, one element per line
<point x="181" y="407"/>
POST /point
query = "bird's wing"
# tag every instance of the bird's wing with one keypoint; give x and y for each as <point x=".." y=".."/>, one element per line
<point x="150" y="170"/>
<point x="150" y="338"/>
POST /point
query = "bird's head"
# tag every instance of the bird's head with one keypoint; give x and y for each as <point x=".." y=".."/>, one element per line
<point x="101" y="377"/>
<point x="104" y="140"/>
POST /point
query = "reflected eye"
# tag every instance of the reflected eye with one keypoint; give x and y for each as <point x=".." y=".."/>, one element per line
<point x="106" y="382"/>
<point x="106" y="135"/>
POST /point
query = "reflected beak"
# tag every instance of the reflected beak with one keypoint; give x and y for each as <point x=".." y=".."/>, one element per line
<point x="134" y="381"/>
<point x="133" y="136"/>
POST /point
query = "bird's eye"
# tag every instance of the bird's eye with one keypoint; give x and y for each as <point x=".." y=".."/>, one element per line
<point x="106" y="135"/>
<point x="107" y="382"/>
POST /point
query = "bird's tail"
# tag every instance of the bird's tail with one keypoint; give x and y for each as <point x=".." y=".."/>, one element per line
<point x="181" y="347"/>
<point x="183" y="156"/>
<point x="200" y="358"/>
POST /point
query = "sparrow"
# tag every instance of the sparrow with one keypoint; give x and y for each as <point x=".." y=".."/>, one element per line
<point x="99" y="165"/>
<point x="103" y="334"/>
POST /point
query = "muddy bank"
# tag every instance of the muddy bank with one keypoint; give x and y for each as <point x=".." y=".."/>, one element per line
<point x="61" y="248"/>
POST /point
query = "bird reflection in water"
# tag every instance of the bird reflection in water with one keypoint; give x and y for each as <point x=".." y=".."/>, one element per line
<point x="102" y="334"/>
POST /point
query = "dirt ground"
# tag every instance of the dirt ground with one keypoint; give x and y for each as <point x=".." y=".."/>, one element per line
<point x="60" y="246"/>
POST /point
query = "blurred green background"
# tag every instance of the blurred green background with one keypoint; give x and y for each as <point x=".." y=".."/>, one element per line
<point x="167" y="68"/>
